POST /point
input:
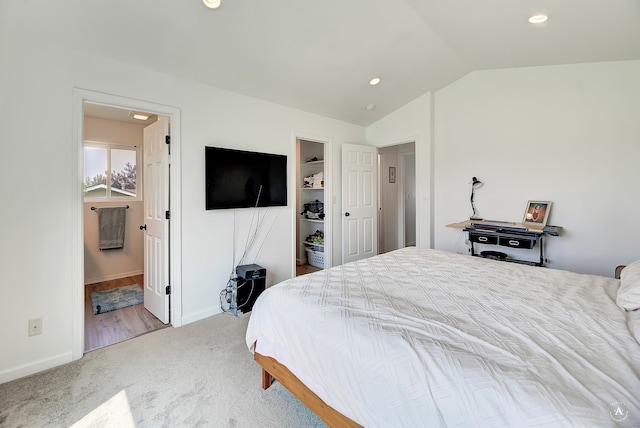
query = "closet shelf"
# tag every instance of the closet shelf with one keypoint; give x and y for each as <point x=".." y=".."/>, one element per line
<point x="312" y="220"/>
<point x="318" y="162"/>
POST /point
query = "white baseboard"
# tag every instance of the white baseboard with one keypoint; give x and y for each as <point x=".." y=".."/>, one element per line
<point x="112" y="277"/>
<point x="34" y="367"/>
<point x="201" y="315"/>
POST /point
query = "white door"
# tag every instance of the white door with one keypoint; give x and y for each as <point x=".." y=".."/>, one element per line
<point x="156" y="206"/>
<point x="359" y="202"/>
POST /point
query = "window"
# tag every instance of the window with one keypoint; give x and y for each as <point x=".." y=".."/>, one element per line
<point x="110" y="172"/>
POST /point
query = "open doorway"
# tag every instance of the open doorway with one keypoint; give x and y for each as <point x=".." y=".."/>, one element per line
<point x="113" y="198"/>
<point x="397" y="197"/>
<point x="167" y="211"/>
<point x="313" y="227"/>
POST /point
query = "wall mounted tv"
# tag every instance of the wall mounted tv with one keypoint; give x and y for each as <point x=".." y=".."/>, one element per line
<point x="234" y="177"/>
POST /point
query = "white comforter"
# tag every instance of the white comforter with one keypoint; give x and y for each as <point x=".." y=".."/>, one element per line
<point x="424" y="338"/>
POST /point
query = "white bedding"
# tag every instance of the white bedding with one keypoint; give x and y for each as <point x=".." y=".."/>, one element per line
<point x="424" y="338"/>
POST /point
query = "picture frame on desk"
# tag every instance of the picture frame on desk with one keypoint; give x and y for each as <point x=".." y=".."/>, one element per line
<point x="536" y="214"/>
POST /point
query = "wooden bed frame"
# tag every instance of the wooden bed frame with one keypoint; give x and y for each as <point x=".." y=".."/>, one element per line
<point x="272" y="369"/>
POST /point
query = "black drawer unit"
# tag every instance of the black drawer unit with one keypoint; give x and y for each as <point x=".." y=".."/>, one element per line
<point x="517" y="242"/>
<point x="512" y="237"/>
<point x="483" y="238"/>
<point x="506" y="234"/>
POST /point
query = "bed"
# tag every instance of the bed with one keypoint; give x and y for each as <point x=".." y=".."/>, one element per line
<point x="419" y="337"/>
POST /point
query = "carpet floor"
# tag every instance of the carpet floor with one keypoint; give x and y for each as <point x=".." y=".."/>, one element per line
<point x="198" y="375"/>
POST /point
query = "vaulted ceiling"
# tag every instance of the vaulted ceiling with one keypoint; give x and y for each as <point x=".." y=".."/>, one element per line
<point x="319" y="56"/>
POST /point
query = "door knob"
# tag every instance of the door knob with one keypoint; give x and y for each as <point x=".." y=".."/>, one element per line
<point x="347" y="214"/>
<point x="143" y="227"/>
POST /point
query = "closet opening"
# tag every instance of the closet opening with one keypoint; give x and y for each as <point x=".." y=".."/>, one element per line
<point x="313" y="219"/>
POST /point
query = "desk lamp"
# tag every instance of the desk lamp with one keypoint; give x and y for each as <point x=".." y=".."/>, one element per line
<point x="475" y="183"/>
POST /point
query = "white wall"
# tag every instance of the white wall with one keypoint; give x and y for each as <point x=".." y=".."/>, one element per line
<point x="36" y="143"/>
<point x="128" y="261"/>
<point x="568" y="134"/>
<point x="412" y="123"/>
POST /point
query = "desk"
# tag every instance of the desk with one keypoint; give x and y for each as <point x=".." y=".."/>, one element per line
<point x="507" y="234"/>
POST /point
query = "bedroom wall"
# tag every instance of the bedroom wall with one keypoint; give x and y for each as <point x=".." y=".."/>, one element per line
<point x="568" y="134"/>
<point x="37" y="267"/>
<point x="128" y="261"/>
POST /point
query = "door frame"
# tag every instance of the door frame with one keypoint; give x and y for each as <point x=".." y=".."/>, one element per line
<point x="328" y="196"/>
<point x="80" y="96"/>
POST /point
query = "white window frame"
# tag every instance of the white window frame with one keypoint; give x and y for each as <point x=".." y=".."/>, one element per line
<point x="108" y="146"/>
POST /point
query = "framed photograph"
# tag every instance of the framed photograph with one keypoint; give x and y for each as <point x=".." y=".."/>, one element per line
<point x="537" y="213"/>
<point x="392" y="174"/>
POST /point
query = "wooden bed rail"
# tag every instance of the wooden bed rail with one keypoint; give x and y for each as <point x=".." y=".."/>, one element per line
<point x="272" y="369"/>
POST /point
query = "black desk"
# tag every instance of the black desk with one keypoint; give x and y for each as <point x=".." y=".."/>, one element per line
<point x="507" y="234"/>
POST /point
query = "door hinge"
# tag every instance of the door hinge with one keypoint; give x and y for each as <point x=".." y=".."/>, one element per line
<point x="168" y="289"/>
<point x="167" y="215"/>
<point x="167" y="139"/>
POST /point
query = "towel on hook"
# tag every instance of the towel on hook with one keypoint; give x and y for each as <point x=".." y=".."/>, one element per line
<point x="111" y="221"/>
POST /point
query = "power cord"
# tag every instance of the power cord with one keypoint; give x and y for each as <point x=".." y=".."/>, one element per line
<point x="226" y="295"/>
<point x="250" y="293"/>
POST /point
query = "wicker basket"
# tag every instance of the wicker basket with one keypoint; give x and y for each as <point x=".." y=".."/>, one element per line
<point x="315" y="258"/>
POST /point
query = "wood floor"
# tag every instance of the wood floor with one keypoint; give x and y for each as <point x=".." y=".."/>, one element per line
<point x="116" y="326"/>
<point x="305" y="269"/>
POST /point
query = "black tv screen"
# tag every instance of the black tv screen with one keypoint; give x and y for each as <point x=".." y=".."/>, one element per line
<point x="235" y="178"/>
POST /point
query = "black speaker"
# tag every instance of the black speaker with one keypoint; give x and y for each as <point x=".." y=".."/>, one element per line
<point x="246" y="288"/>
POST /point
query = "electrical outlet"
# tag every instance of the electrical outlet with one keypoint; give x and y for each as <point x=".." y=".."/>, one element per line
<point x="35" y="326"/>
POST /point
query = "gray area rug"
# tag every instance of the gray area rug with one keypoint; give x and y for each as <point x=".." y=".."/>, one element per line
<point x="116" y="298"/>
<point x="198" y="375"/>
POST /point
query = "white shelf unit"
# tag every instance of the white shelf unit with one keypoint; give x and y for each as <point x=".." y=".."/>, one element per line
<point x="310" y="252"/>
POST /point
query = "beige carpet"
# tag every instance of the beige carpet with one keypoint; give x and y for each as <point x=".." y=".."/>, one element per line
<point x="199" y="375"/>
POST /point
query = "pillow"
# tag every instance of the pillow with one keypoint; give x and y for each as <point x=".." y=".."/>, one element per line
<point x="629" y="292"/>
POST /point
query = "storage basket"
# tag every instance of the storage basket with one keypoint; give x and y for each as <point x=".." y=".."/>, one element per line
<point x="315" y="258"/>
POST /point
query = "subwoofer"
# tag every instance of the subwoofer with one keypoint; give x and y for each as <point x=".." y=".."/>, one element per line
<point x="245" y="289"/>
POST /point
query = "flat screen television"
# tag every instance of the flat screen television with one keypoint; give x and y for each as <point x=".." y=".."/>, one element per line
<point x="241" y="179"/>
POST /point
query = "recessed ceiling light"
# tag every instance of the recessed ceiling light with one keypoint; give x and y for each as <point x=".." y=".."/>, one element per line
<point x="370" y="107"/>
<point x="538" y="19"/>
<point x="212" y="4"/>
<point x="140" y="116"/>
<point x="374" y="81"/>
